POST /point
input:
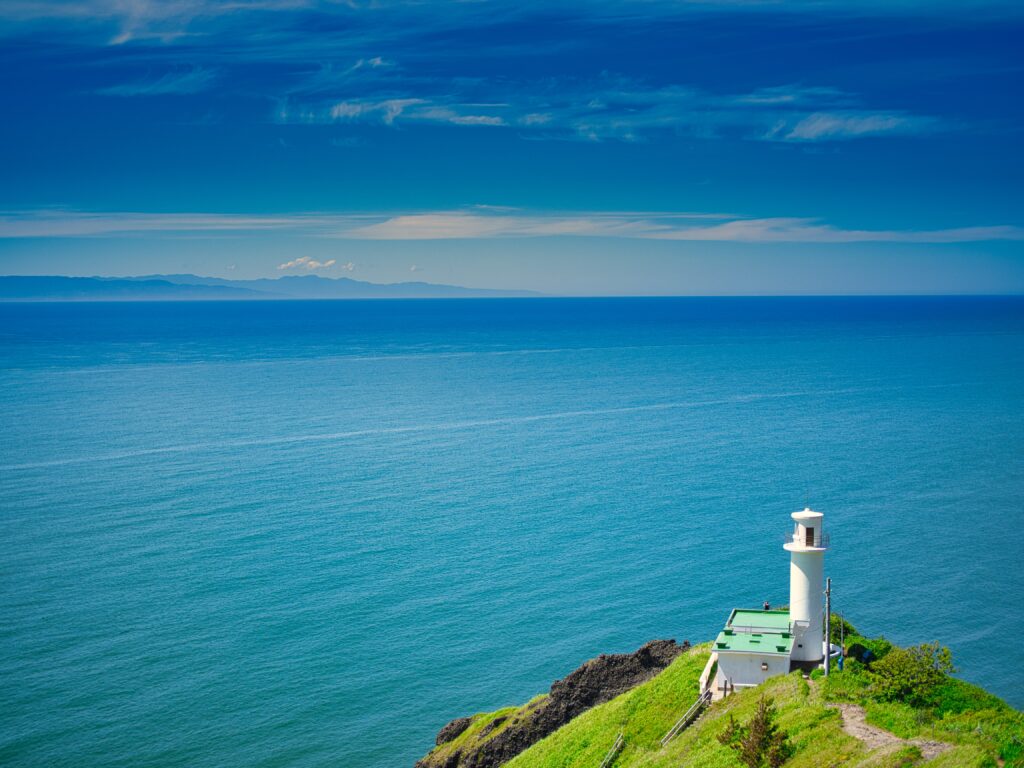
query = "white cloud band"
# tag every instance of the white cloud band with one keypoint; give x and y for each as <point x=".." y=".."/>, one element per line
<point x="483" y="223"/>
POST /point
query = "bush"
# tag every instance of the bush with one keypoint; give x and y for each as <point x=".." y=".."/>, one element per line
<point x="840" y="629"/>
<point x="867" y="649"/>
<point x="760" y="743"/>
<point x="912" y="675"/>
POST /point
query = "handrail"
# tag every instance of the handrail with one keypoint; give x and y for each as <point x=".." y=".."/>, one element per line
<point x="691" y="714"/>
<point x="612" y="753"/>
<point x="755" y="629"/>
<point x="707" y="677"/>
<point x="821" y="541"/>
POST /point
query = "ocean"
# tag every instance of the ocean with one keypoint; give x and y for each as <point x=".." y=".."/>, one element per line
<point x="311" y="533"/>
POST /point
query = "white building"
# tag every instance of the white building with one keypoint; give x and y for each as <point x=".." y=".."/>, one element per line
<point x="760" y="643"/>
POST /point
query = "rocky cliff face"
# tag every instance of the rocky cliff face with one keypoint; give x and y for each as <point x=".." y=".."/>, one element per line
<point x="595" y="682"/>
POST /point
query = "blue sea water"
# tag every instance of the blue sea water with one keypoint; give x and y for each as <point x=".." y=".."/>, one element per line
<point x="311" y="533"/>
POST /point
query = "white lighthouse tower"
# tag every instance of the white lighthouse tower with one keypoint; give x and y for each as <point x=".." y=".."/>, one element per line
<point x="807" y="547"/>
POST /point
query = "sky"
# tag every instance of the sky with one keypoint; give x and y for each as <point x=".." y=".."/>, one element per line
<point x="616" y="148"/>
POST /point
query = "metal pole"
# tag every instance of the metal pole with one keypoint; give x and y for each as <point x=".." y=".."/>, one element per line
<point x="842" y="641"/>
<point x="828" y="624"/>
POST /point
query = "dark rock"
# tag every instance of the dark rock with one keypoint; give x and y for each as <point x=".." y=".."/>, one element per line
<point x="453" y="729"/>
<point x="595" y="682"/>
<point x="492" y="725"/>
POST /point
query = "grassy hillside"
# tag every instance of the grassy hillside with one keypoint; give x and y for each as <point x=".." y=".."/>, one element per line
<point x="945" y="723"/>
<point x="492" y="739"/>
<point x="484" y="727"/>
<point x="984" y="731"/>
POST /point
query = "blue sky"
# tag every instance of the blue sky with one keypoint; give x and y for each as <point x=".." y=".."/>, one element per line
<point x="623" y="147"/>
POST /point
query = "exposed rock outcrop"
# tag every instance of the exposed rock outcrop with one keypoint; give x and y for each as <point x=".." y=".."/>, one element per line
<point x="453" y="729"/>
<point x="595" y="682"/>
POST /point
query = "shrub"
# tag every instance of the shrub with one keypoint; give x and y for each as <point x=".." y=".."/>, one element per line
<point x="840" y="629"/>
<point x="866" y="649"/>
<point x="912" y="675"/>
<point x="760" y="743"/>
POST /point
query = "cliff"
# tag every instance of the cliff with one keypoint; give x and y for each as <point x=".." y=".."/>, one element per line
<point x="487" y="741"/>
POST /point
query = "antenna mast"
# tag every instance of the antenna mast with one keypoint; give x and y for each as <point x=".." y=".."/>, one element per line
<point x="828" y="624"/>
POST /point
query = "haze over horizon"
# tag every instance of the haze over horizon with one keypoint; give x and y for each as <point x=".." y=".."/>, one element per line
<point x="648" y="148"/>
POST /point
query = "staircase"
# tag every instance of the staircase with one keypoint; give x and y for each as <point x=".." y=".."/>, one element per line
<point x="687" y="719"/>
<point x="609" y="758"/>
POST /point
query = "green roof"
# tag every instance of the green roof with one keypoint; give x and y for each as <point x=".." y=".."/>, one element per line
<point x="749" y="617"/>
<point x="755" y="631"/>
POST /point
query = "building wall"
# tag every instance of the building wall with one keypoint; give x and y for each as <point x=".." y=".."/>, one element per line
<point x="743" y="669"/>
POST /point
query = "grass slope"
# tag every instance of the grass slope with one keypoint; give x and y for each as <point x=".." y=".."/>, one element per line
<point x="983" y="729"/>
<point x="484" y="726"/>
<point x="642" y="714"/>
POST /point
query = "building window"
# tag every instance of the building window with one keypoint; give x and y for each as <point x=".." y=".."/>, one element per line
<point x="810" y="537"/>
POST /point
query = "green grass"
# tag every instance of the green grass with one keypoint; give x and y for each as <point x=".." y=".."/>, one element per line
<point x="896" y="717"/>
<point x="999" y="732"/>
<point x="646" y="713"/>
<point x="981" y="729"/>
<point x="979" y="724"/>
<point x="963" y="757"/>
<point x="483" y="728"/>
<point x="643" y="715"/>
<point x="902" y="757"/>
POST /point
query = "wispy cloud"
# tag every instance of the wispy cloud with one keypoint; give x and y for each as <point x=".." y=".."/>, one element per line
<point x="822" y="126"/>
<point x="611" y="108"/>
<point x="67" y="223"/>
<point x="481" y="223"/>
<point x="165" y="20"/>
<point x="171" y="21"/>
<point x="306" y="263"/>
<point x="386" y="110"/>
<point x="648" y="226"/>
<point x="187" y="82"/>
<point x="392" y="63"/>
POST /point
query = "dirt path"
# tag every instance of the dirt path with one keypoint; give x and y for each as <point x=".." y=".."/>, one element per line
<point x="857" y="726"/>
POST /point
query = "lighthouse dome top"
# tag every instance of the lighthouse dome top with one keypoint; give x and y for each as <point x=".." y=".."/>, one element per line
<point x="807" y="514"/>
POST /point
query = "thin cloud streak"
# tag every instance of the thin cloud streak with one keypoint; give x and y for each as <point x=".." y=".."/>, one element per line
<point x="482" y="223"/>
<point x="191" y="81"/>
<point x="171" y="21"/>
<point x="611" y="108"/>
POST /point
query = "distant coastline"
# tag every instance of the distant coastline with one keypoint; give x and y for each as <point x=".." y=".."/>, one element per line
<point x="15" y="288"/>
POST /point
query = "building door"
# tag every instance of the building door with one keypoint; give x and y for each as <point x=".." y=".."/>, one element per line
<point x="810" y="537"/>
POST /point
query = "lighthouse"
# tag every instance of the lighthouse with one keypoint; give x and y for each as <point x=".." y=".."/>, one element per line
<point x="758" y="643"/>
<point x="807" y="546"/>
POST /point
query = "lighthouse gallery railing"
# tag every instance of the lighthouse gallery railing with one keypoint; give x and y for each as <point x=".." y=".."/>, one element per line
<point x="820" y="541"/>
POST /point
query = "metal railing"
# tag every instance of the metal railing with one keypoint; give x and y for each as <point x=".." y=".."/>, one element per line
<point x="820" y="541"/>
<point x="754" y="629"/>
<point x="691" y="714"/>
<point x="609" y="758"/>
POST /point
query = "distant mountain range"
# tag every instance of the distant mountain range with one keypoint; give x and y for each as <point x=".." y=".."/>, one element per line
<point x="195" y="288"/>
